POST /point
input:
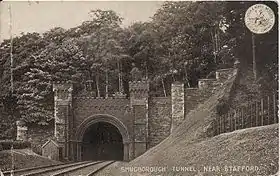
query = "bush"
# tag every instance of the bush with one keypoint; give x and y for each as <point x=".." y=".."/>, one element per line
<point x="222" y="107"/>
<point x="7" y="144"/>
<point x="36" y="148"/>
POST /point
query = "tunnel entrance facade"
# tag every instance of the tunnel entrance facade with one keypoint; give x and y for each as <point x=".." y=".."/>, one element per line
<point x="94" y="128"/>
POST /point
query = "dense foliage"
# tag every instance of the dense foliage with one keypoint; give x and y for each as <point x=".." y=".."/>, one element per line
<point x="7" y="144"/>
<point x="184" y="41"/>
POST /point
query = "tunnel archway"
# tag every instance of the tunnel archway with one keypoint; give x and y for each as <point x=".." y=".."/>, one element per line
<point x="102" y="141"/>
<point x="102" y="137"/>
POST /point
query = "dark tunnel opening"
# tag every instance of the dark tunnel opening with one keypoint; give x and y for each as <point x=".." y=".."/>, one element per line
<point x="102" y="141"/>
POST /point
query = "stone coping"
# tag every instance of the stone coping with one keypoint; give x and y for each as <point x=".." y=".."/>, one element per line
<point x="211" y="79"/>
<point x="161" y="97"/>
<point x="192" y="88"/>
<point x="102" y="98"/>
<point x="62" y="82"/>
<point x="224" y="69"/>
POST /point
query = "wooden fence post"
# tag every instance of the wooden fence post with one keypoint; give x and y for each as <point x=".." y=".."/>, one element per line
<point x="235" y="119"/>
<point x="225" y="122"/>
<point x="214" y="127"/>
<point x="251" y="114"/>
<point x="229" y="121"/>
<point x="247" y="117"/>
<point x="274" y="109"/>
<point x="219" y="125"/>
<point x="257" y="114"/>
<point x="242" y="117"/>
<point x="268" y="109"/>
<point x="262" y="113"/>
<point x="238" y="119"/>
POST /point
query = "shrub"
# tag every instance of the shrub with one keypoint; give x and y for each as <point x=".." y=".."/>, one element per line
<point x="7" y="144"/>
<point x="222" y="107"/>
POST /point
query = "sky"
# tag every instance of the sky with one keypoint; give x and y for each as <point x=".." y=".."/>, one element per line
<point x="44" y="15"/>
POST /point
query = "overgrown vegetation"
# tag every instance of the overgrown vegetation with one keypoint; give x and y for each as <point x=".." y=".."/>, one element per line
<point x="184" y="41"/>
<point x="7" y="144"/>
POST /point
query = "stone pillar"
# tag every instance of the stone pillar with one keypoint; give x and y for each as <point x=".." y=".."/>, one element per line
<point x="126" y="151"/>
<point x="21" y="131"/>
<point x="131" y="153"/>
<point x="62" y="114"/>
<point x="177" y="103"/>
<point x="79" y="151"/>
<point x="139" y="94"/>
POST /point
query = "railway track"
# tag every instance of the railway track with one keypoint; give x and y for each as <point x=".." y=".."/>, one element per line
<point x="85" y="168"/>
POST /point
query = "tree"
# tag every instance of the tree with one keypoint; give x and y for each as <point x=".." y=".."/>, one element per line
<point x="104" y="48"/>
<point x="241" y="43"/>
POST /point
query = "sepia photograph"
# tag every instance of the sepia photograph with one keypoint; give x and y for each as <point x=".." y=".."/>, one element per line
<point x="139" y="88"/>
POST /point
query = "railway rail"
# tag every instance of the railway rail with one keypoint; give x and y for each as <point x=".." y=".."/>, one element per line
<point x="85" y="168"/>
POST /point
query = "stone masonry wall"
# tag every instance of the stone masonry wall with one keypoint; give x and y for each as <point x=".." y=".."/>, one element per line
<point x="159" y="119"/>
<point x="84" y="107"/>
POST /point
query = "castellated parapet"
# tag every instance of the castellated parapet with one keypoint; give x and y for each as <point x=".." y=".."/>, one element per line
<point x="63" y="90"/>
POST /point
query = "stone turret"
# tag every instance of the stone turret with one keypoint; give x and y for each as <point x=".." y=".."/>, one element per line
<point x="21" y="131"/>
<point x="139" y="94"/>
<point x="62" y="113"/>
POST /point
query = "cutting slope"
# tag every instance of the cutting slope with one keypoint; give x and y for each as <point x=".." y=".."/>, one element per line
<point x="23" y="158"/>
<point x="191" y="146"/>
<point x="224" y="154"/>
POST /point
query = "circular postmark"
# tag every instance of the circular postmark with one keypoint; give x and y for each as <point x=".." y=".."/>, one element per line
<point x="259" y="18"/>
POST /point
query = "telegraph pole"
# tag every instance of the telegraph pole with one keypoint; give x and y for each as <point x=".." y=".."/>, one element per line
<point x="12" y="77"/>
<point x="259" y="19"/>
<point x="254" y="57"/>
<point x="11" y="52"/>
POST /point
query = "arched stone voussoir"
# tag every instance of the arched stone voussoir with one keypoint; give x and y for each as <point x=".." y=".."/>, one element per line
<point x="102" y="118"/>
